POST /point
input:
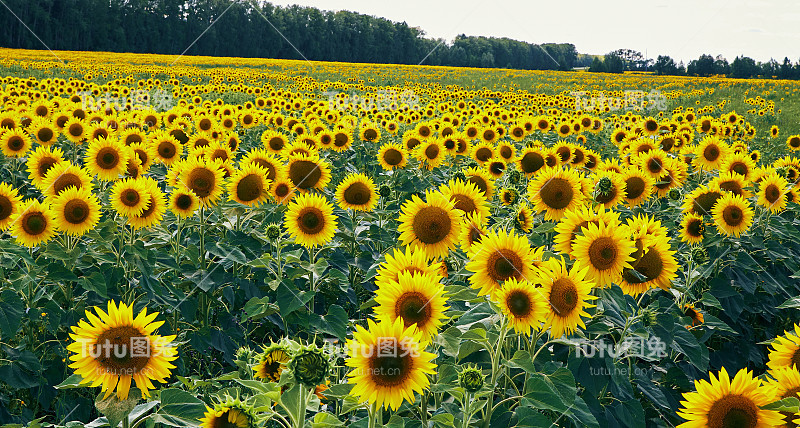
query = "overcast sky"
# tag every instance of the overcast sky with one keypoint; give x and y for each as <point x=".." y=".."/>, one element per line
<point x="682" y="29"/>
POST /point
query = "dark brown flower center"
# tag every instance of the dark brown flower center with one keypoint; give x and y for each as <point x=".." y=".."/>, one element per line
<point x="413" y="308"/>
<point x="76" y="211"/>
<point x="603" y="253"/>
<point x="393" y="157"/>
<point x="183" y="202"/>
<point x="357" y="193"/>
<point x="431" y="225"/>
<point x="311" y="221"/>
<point x="557" y="193"/>
<point x="122" y="350"/>
<point x="305" y="174"/>
<point x="390" y="365"/>
<point x="531" y="162"/>
<point x="107" y="158"/>
<point x="732" y="215"/>
<point x="504" y="264"/>
<point x="201" y="182"/>
<point x="563" y="297"/>
<point x="519" y="303"/>
<point x="250" y="188"/>
<point x="733" y="411"/>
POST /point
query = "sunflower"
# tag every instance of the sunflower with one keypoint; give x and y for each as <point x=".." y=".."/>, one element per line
<point x="430" y="153"/>
<point x="308" y="171"/>
<point x="217" y="151"/>
<point x="738" y="163"/>
<point x="692" y="228"/>
<point x="605" y="250"/>
<point x="44" y="131"/>
<point x="609" y="189"/>
<point x="40" y="161"/>
<point x="249" y="185"/>
<point x="183" y="202"/>
<point x="310" y="220"/>
<point x="342" y="140"/>
<point x="145" y="154"/>
<point x="15" y="143"/>
<point x="271" y="362"/>
<point x="389" y="363"/>
<point x="204" y="178"/>
<point x="275" y="169"/>
<point x="370" y="132"/>
<point x="723" y="402"/>
<point x="466" y="197"/>
<point x="9" y="205"/>
<point x="508" y="196"/>
<point x="555" y="191"/>
<point x="75" y="130"/>
<point x="64" y="175"/>
<point x="523" y="218"/>
<point x="785" y="351"/>
<point x="732" y="214"/>
<point x="733" y="183"/>
<point x="654" y="264"/>
<point x="574" y="221"/>
<point x="282" y="191"/>
<point x="793" y="143"/>
<point x="154" y="212"/>
<point x="106" y="159"/>
<point x="567" y="295"/>
<point x="409" y="260"/>
<point x="530" y="161"/>
<point x="129" y="197"/>
<point x="771" y="191"/>
<point x="702" y="200"/>
<point x="167" y="149"/>
<point x="391" y="156"/>
<point x="710" y="152"/>
<point x="115" y="347"/>
<point x="417" y="298"/>
<point x="230" y="413"/>
<point x="522" y="304"/>
<point x="471" y="234"/>
<point x="482" y="152"/>
<point x="785" y="383"/>
<point x="433" y="226"/>
<point x="357" y="192"/>
<point x="694" y="314"/>
<point x="498" y="256"/>
<point x="76" y="211"/>
<point x="482" y="180"/>
<point x="496" y="166"/>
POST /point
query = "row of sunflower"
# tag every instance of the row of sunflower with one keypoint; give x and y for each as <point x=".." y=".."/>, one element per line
<point x="525" y="219"/>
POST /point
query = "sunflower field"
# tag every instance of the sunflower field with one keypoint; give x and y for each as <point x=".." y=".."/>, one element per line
<point x="229" y="242"/>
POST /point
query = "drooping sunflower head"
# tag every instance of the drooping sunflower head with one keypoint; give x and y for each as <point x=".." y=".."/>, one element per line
<point x="416" y="297"/>
<point x="432" y="225"/>
<point x="115" y="348"/>
<point x="389" y="363"/>
<point x="230" y="413"/>
<point x="310" y="220"/>
<point x="654" y="263"/>
<point x="271" y="362"/>
<point x="357" y="192"/>
<point x="726" y="402"/>
<point x="310" y="365"/>
<point x="523" y="218"/>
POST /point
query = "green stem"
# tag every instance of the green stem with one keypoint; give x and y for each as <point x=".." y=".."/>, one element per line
<point x="301" y="410"/>
<point x="496" y="356"/>
<point x="467" y="408"/>
<point x="423" y="409"/>
<point x="373" y="415"/>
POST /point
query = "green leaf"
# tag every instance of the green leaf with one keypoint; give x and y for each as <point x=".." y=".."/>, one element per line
<point x="114" y="409"/>
<point x="180" y="408"/>
<point x="789" y="405"/>
<point x="291" y="299"/>
<point x="11" y="307"/>
<point x="325" y="420"/>
<point x="257" y="308"/>
<point x="522" y="360"/>
<point x="792" y="303"/>
<point x="334" y="322"/>
<point x="685" y="343"/>
<point x="444" y="420"/>
<point x="70" y="382"/>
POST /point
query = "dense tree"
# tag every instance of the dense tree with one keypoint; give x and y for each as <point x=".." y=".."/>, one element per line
<point x="255" y="28"/>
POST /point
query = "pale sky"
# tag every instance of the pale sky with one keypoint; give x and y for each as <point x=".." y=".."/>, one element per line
<point x="682" y="29"/>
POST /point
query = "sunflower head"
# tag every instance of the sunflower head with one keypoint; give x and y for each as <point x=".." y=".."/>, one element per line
<point x="471" y="379"/>
<point x="230" y="412"/>
<point x="271" y="362"/>
<point x="310" y="365"/>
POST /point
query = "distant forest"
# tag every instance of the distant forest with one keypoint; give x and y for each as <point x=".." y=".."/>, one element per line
<point x="253" y="28"/>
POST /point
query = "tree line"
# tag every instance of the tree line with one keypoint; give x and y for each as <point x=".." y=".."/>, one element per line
<point x="256" y="29"/>
<point x="742" y="67"/>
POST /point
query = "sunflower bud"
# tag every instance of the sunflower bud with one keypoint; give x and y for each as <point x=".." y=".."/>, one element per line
<point x="471" y="379"/>
<point x="472" y="164"/>
<point x="674" y="194"/>
<point x="273" y="231"/>
<point x="515" y="176"/>
<point x="700" y="255"/>
<point x="310" y="365"/>
<point x="385" y="191"/>
<point x="459" y="175"/>
<point x="604" y="186"/>
<point x="244" y="354"/>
